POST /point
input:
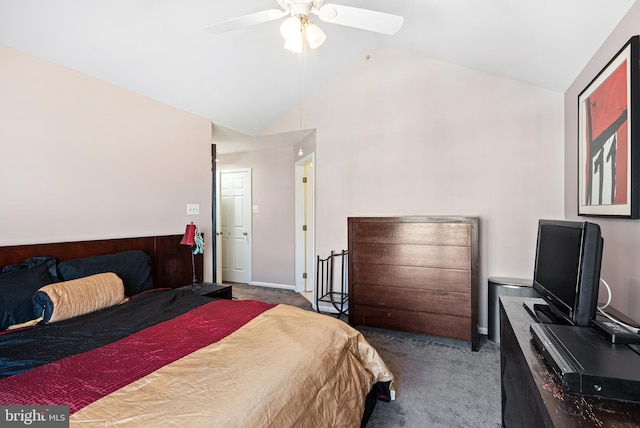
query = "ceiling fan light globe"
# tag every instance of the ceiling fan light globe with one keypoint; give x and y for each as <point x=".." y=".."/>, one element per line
<point x="290" y="28"/>
<point x="315" y="36"/>
<point x="294" y="44"/>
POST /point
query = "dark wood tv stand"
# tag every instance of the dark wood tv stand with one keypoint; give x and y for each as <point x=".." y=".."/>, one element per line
<point x="532" y="397"/>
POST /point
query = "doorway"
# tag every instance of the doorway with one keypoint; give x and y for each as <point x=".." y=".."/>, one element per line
<point x="305" y="226"/>
<point x="234" y="190"/>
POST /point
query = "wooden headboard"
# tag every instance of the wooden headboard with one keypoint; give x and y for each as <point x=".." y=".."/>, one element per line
<point x="170" y="261"/>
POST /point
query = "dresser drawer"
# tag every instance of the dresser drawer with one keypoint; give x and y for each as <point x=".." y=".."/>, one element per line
<point x="414" y="322"/>
<point x="435" y="302"/>
<point x="422" y="278"/>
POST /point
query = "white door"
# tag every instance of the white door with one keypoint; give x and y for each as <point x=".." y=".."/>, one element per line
<point x="305" y="225"/>
<point x="218" y="214"/>
<point x="235" y="207"/>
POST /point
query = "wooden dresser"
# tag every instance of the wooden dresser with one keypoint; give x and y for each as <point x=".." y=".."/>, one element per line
<point x="415" y="274"/>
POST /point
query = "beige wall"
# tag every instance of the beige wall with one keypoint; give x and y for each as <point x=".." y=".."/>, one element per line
<point x="82" y="159"/>
<point x="401" y="134"/>
<point x="621" y="256"/>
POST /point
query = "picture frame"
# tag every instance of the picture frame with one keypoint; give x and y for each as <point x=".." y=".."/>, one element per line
<point x="608" y="158"/>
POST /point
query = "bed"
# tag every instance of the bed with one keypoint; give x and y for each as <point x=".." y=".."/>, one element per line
<point x="159" y="356"/>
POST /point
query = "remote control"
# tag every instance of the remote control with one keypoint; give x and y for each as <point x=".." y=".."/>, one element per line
<point x="615" y="332"/>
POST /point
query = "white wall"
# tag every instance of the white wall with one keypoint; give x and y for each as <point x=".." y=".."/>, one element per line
<point x="621" y="257"/>
<point x="82" y="159"/>
<point x="402" y="134"/>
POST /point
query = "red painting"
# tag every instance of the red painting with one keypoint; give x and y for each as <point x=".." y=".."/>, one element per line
<point x="608" y="167"/>
<point x="607" y="123"/>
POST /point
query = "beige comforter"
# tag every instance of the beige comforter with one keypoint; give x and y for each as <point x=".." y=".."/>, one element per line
<point x="285" y="368"/>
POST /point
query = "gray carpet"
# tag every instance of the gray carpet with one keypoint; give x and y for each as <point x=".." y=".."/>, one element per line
<point x="439" y="382"/>
<point x="268" y="295"/>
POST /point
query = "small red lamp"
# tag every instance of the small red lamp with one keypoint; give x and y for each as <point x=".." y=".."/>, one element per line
<point x="189" y="239"/>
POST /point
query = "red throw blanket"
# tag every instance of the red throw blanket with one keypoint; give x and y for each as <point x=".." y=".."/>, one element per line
<point x="79" y="380"/>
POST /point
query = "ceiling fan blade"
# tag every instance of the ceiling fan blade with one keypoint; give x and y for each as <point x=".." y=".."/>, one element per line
<point x="247" y="20"/>
<point x="364" y="19"/>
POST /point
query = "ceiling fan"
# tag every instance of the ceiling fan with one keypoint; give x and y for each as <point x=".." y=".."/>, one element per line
<point x="298" y="28"/>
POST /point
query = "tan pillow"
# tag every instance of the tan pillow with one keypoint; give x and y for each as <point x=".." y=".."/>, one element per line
<point x="62" y="300"/>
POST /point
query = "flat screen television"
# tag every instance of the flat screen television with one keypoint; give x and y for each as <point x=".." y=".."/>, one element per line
<point x="567" y="268"/>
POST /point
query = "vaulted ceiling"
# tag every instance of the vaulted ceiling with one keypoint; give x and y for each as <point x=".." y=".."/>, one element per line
<point x="245" y="79"/>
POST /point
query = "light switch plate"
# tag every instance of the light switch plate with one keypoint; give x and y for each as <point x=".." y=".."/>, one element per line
<point x="193" y="209"/>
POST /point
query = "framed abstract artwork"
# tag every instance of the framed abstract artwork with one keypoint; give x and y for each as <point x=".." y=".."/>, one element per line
<point x="608" y="157"/>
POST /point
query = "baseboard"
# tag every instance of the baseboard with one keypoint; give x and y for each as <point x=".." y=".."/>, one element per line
<point x="273" y="285"/>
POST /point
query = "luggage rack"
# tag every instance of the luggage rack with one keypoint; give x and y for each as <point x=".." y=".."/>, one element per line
<point x="325" y="288"/>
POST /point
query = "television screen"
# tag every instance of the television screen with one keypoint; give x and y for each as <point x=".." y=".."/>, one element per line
<point x="567" y="268"/>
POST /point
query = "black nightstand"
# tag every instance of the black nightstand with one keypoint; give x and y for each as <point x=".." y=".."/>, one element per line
<point x="209" y="289"/>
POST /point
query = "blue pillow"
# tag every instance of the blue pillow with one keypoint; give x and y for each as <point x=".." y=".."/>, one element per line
<point x="33" y="262"/>
<point x="133" y="267"/>
<point x="16" y="291"/>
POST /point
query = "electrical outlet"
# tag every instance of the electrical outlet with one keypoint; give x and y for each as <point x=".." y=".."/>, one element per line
<point x="193" y="209"/>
